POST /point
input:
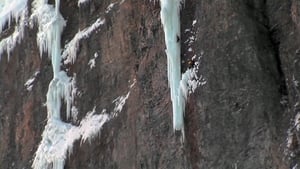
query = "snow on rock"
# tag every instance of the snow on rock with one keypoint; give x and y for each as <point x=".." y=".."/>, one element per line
<point x="92" y="124"/>
<point x="59" y="137"/>
<point x="110" y="7"/>
<point x="70" y="52"/>
<point x="189" y="82"/>
<point x="119" y="103"/>
<point x="29" y="82"/>
<point x="92" y="62"/>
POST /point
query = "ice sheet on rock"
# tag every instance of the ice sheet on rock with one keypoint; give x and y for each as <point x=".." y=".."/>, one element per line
<point x="11" y="9"/>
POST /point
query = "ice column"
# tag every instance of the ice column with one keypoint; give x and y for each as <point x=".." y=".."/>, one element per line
<point x="170" y="18"/>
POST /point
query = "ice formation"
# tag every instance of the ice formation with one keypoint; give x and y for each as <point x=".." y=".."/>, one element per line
<point x="56" y="140"/>
<point x="180" y="84"/>
<point x="170" y="18"/>
<point x="17" y="10"/>
<point x="11" y="9"/>
<point x="58" y="136"/>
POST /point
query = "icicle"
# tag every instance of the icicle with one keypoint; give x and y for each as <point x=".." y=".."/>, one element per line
<point x="170" y="18"/>
<point x="11" y="9"/>
<point x="58" y="137"/>
<point x="16" y="9"/>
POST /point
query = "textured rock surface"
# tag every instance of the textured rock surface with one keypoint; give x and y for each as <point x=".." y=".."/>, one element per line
<point x="239" y="119"/>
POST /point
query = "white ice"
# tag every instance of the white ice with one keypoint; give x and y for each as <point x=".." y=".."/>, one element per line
<point x="58" y="136"/>
<point x="11" y="9"/>
<point x="170" y="18"/>
<point x="16" y="9"/>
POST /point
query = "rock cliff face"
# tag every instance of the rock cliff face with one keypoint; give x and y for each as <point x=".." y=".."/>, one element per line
<point x="240" y="118"/>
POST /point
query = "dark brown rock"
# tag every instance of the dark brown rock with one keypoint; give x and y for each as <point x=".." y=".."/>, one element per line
<point x="239" y="119"/>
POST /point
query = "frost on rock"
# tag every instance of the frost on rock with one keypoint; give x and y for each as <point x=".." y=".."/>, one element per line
<point x="58" y="137"/>
<point x="70" y="52"/>
<point x="16" y="9"/>
<point x="189" y="82"/>
<point x="170" y="18"/>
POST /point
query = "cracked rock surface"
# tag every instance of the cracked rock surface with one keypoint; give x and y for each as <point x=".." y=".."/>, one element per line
<point x="249" y="53"/>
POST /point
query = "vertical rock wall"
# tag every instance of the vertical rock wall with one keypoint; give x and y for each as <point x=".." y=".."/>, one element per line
<point x="239" y="118"/>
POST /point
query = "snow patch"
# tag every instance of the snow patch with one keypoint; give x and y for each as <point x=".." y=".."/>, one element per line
<point x="194" y="22"/>
<point x="29" y="82"/>
<point x="92" y="62"/>
<point x="119" y="103"/>
<point x="110" y="7"/>
<point x="92" y="124"/>
<point x="70" y="52"/>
